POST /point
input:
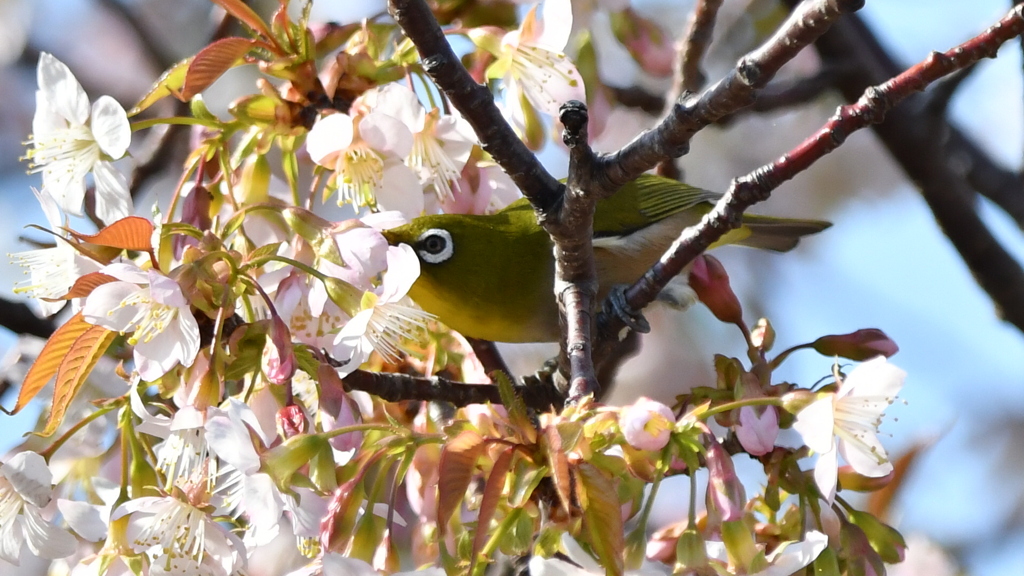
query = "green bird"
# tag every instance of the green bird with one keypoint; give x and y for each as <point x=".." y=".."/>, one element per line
<point x="492" y="276"/>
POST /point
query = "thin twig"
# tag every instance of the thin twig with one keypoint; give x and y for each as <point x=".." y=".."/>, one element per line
<point x="671" y="137"/>
<point x="862" y="61"/>
<point x="490" y="357"/>
<point x="689" y="77"/>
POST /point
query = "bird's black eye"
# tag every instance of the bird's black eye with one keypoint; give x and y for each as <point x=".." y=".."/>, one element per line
<point x="434" y="246"/>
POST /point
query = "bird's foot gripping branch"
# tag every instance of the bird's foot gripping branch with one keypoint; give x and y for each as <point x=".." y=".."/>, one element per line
<point x="242" y="363"/>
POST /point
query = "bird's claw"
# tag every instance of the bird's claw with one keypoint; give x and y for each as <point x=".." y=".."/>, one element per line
<point x="616" y="304"/>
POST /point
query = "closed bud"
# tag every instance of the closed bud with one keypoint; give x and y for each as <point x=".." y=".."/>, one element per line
<point x="763" y="335"/>
<point x="280" y="358"/>
<point x="861" y="559"/>
<point x="861" y="345"/>
<point x="884" y="539"/>
<point x="254" y="186"/>
<point x="726" y="495"/>
<point x="710" y="281"/>
<point x="346" y="296"/>
<point x="291" y="421"/>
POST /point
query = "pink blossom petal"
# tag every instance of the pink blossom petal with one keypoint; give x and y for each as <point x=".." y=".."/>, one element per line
<point x="403" y="270"/>
<point x="757" y="433"/>
<point x="875" y="377"/>
<point x="62" y="90"/>
<point x="330" y="135"/>
<point x="815" y="424"/>
<point x="826" y="472"/>
<point x="30" y="476"/>
<point x="557" y="18"/>
<point x="400" y="190"/>
<point x="865" y="459"/>
<point x="113" y="199"/>
<point x="401" y="103"/>
<point x="386" y="134"/>
<point x="110" y="128"/>
<point x="103" y="306"/>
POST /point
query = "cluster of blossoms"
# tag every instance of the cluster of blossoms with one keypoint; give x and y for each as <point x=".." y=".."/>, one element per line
<point x="237" y="314"/>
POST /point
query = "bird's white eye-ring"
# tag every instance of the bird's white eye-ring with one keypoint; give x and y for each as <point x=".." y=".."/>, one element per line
<point x="435" y="246"/>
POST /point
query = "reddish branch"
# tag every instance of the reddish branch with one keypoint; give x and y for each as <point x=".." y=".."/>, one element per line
<point x="757" y="186"/>
<point x="948" y="168"/>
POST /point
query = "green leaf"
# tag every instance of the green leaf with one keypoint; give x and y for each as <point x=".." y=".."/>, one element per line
<point x="169" y="83"/>
<point x="602" y="521"/>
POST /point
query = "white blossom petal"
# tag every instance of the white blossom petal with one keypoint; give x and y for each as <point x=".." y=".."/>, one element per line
<point x="110" y="127"/>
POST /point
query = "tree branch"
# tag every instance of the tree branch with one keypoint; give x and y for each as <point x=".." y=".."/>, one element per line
<point x="398" y="387"/>
<point x="671" y="138"/>
<point x="19" y="318"/>
<point x="689" y="77"/>
<point x="970" y="236"/>
<point x="861" y="61"/>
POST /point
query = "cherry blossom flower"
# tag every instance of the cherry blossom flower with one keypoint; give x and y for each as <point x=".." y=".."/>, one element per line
<point x="69" y="141"/>
<point x="786" y="559"/>
<point x="366" y="154"/>
<point x="647" y="424"/>
<point x="440" y="144"/>
<point x="483" y="188"/>
<point x="153" y="308"/>
<point x="26" y="486"/>
<point x="52" y="271"/>
<point x="179" y="537"/>
<point x="533" y="66"/>
<point x="334" y="564"/>
<point x="847" y="422"/>
<point x="385" y="318"/>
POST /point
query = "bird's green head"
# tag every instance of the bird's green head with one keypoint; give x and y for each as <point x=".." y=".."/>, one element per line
<point x="477" y="273"/>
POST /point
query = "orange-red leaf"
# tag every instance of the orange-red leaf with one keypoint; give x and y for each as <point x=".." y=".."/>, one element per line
<point x="455" y="472"/>
<point x="489" y="503"/>
<point x="85" y="285"/>
<point x="212" y="62"/>
<point x="559" y="464"/>
<point x="49" y="359"/>
<point x="238" y="9"/>
<point x="130" y="233"/>
<point x="602" y="519"/>
<point x="74" y="369"/>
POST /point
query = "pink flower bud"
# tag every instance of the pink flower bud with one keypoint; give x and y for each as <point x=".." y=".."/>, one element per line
<point x="757" y="432"/>
<point x="861" y="345"/>
<point x="280" y="356"/>
<point x="647" y="424"/>
<point x="291" y="421"/>
<point x="711" y="283"/>
<point x="726" y="495"/>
